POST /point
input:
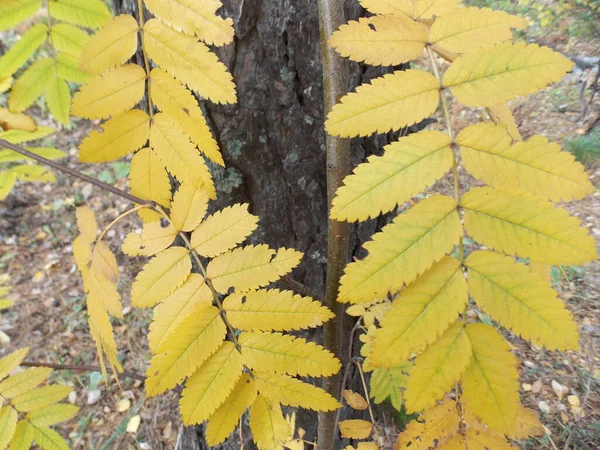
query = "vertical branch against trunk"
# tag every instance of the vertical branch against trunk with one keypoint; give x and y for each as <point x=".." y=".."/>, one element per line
<point x="335" y="84"/>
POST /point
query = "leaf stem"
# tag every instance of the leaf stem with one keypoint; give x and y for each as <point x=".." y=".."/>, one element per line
<point x="114" y="222"/>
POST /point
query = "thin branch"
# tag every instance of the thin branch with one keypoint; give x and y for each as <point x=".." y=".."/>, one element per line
<point x="298" y="287"/>
<point x="75" y="173"/>
<point x="78" y="368"/>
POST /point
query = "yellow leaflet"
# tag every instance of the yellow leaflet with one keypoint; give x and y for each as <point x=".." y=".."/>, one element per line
<point x="31" y="84"/>
<point x="418" y="9"/>
<point x="355" y="429"/>
<point x="53" y="414"/>
<point x="111" y="46"/>
<point x="422" y="312"/>
<point x="521" y="301"/>
<point x="226" y="418"/>
<point x="438" y="369"/>
<point x="148" y="178"/>
<point x="103" y="292"/>
<point x="439" y="424"/>
<point x="191" y="296"/>
<point x="7" y="181"/>
<point x="189" y="206"/>
<point x="388" y="382"/>
<point x="121" y="135"/>
<point x="40" y="397"/>
<point x="535" y="166"/>
<point x="477" y="439"/>
<point x="104" y="262"/>
<point x="161" y="276"/>
<point x="196" y="18"/>
<point x="272" y="309"/>
<point x="251" y="267"/>
<point x="387" y="104"/>
<point x="90" y="14"/>
<point x="289" y="391"/>
<point x="30" y="172"/>
<point x="494" y="74"/>
<point x="13" y="12"/>
<point x="5" y="84"/>
<point x="269" y="428"/>
<point x="542" y="270"/>
<point x="280" y="353"/>
<point x="191" y="343"/>
<point x="403" y="250"/>
<point x="189" y="61"/>
<point x="223" y="230"/>
<point x="19" y="136"/>
<point x="490" y="384"/>
<point x="111" y="93"/>
<point x="49" y="439"/>
<point x="23" y="437"/>
<point x="16" y="121"/>
<point x="519" y="224"/>
<point x="19" y="53"/>
<point x="383" y="182"/>
<point x="86" y="222"/>
<point x="380" y="40"/>
<point x="67" y="68"/>
<point x="101" y="330"/>
<point x="8" y="424"/>
<point x="49" y="153"/>
<point x="502" y="115"/>
<point x="527" y="424"/>
<point x="211" y="384"/>
<point x="11" y="361"/>
<point x="23" y="381"/>
<point x="68" y="38"/>
<point x="467" y="28"/>
<point x="177" y="102"/>
<point x="154" y="239"/>
<point x="177" y="153"/>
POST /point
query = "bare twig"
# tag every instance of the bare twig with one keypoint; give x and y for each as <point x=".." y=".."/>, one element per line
<point x="298" y="287"/>
<point x="78" y="368"/>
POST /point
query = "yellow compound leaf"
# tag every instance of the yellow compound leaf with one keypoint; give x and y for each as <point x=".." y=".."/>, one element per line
<point x="40" y="397"/>
<point x="211" y="384"/>
<point x="502" y="115"/>
<point x="86" y="222"/>
<point x="177" y="102"/>
<point x="111" y="46"/>
<point x="387" y="104"/>
<point x="380" y="40"/>
<point x="289" y="391"/>
<point x="467" y="28"/>
<point x="68" y="69"/>
<point x="251" y="267"/>
<point x="191" y="343"/>
<point x="438" y="369"/>
<point x="189" y="206"/>
<point x="519" y="224"/>
<point x="16" y="121"/>
<point x="490" y="384"/>
<point x="148" y="178"/>
<point x="191" y="296"/>
<point x="269" y="428"/>
<point x="104" y="293"/>
<point x="177" y="153"/>
<point x="226" y="418"/>
<point x="53" y="414"/>
<point x="8" y="424"/>
<point x="121" y="135"/>
<point x="355" y="400"/>
<point x="111" y="93"/>
<point x="90" y="14"/>
<point x="49" y="439"/>
<point x="223" y="230"/>
<point x="19" y="53"/>
<point x="102" y="333"/>
<point x="11" y="361"/>
<point x="403" y="250"/>
<point x="195" y="18"/>
<point x="68" y="38"/>
<point x="423" y="311"/>
<point x="521" y="301"/>
<point x="105" y="263"/>
<point x="494" y="74"/>
<point x="161" y="276"/>
<point x="418" y="9"/>
<point x="13" y="12"/>
<point x="439" y="424"/>
<point x="31" y="84"/>
<point x="355" y="429"/>
<point x="272" y="309"/>
<point x="279" y="353"/>
<point x="23" y="381"/>
<point x="535" y="166"/>
<point x="383" y="182"/>
<point x="189" y="61"/>
<point x="154" y="239"/>
<point x="23" y="437"/>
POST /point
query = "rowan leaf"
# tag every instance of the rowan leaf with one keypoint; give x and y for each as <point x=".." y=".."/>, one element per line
<point x="90" y="14"/>
<point x="23" y="381"/>
<point x="189" y="206"/>
<point x="148" y="178"/>
<point x="355" y="400"/>
<point x="502" y="115"/>
<point x="53" y="414"/>
<point x="68" y="38"/>
<point x="223" y="230"/>
<point x="423" y="311"/>
<point x="154" y="239"/>
<point x="31" y="84"/>
<point x="86" y="223"/>
<point x="269" y="428"/>
<point x="104" y="292"/>
<point x="13" y="12"/>
<point x="355" y="429"/>
<point x="16" y="121"/>
<point x="7" y="182"/>
<point x="67" y="68"/>
<point x="39" y="398"/>
<point x="24" y="49"/>
<point x="497" y="73"/>
<point x="20" y="136"/>
<point x="388" y="382"/>
<point x="403" y="250"/>
<point x="11" y="361"/>
<point x="406" y="168"/>
<point x="161" y="276"/>
<point x="111" y="46"/>
<point x="389" y="103"/>
<point x="519" y="224"/>
<point x="521" y="301"/>
<point x="279" y="353"/>
<point x="8" y="424"/>
<point x="23" y="437"/>
<point x="102" y="333"/>
<point x="489" y="385"/>
<point x="417" y="9"/>
<point x="105" y="262"/>
<point x="49" y="439"/>
<point x="528" y="424"/>
<point x="111" y="93"/>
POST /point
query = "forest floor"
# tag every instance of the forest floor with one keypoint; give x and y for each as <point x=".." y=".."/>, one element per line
<point x="37" y="227"/>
